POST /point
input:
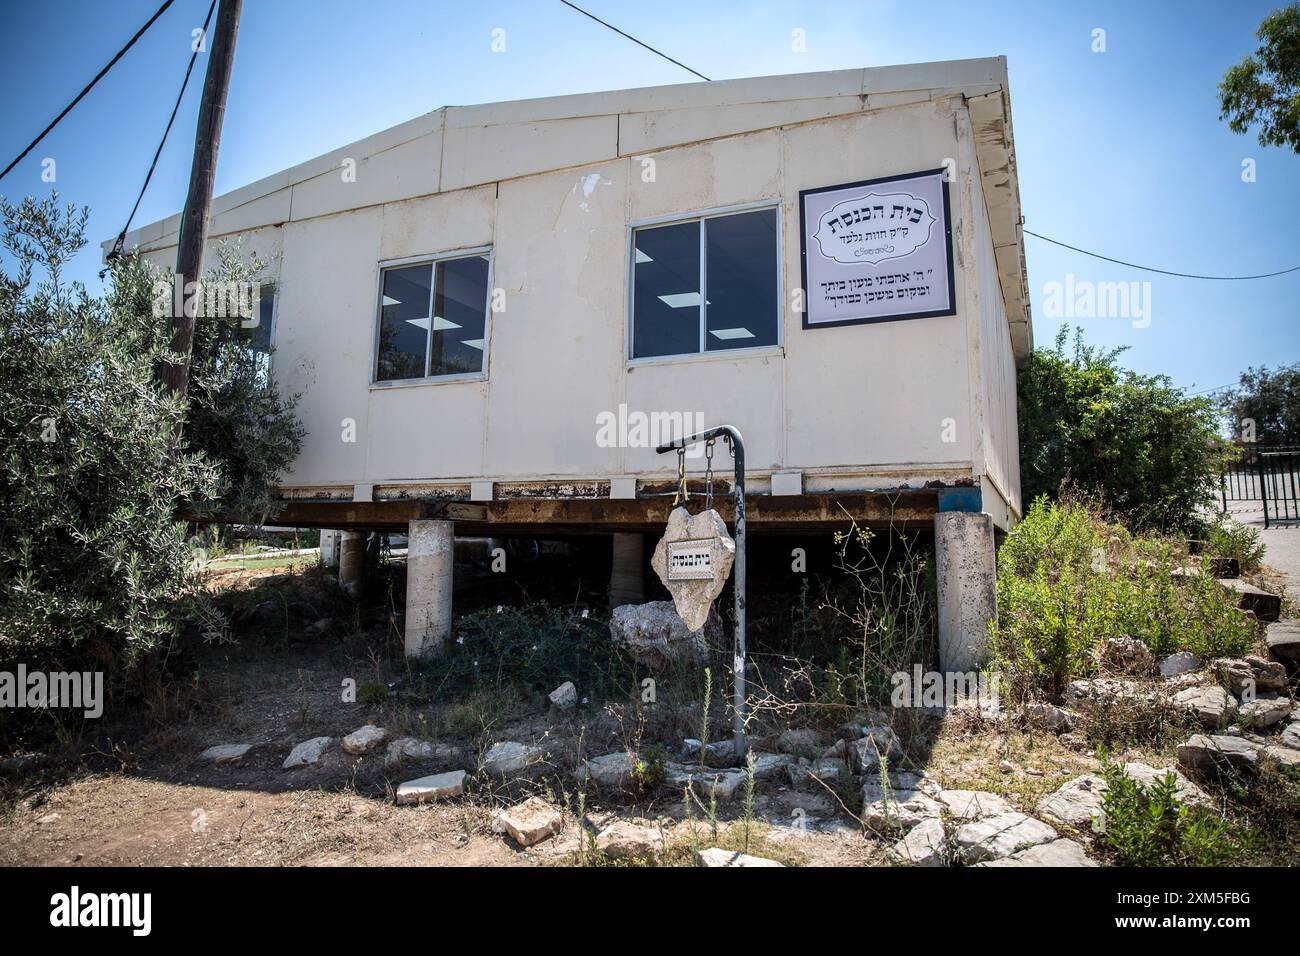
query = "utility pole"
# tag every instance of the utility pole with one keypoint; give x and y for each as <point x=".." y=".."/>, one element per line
<point x="194" y="220"/>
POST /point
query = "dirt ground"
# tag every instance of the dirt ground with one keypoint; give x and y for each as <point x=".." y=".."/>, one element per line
<point x="136" y="793"/>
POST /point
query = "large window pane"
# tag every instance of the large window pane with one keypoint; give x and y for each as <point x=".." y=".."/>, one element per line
<point x="740" y="276"/>
<point x="666" y="290"/>
<point x="459" y="306"/>
<point x="404" y="323"/>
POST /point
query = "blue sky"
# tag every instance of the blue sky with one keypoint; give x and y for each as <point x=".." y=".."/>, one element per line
<point x="1121" y="152"/>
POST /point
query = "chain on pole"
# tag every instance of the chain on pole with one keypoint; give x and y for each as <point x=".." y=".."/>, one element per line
<point x="683" y="495"/>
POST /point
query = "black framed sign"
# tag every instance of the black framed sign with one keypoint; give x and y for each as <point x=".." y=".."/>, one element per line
<point x="876" y="251"/>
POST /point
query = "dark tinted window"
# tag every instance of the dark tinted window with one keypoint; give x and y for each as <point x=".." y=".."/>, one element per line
<point x="666" y="297"/>
<point x="740" y="309"/>
<point x="432" y="319"/>
<point x="740" y="277"/>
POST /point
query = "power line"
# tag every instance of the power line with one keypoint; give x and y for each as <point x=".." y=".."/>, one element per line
<point x="121" y="237"/>
<point x="635" y="40"/>
<point x="99" y="76"/>
<point x="1185" y="275"/>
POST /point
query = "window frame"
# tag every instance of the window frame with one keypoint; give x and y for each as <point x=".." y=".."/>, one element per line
<point x="703" y="354"/>
<point x="431" y="259"/>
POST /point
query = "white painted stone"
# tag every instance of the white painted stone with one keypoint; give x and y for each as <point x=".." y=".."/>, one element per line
<point x="364" y="739"/>
<point x="529" y="822"/>
<point x="564" y="697"/>
<point x="438" y="786"/>
<point x="225" y="753"/>
<point x="307" y="753"/>
<point x="716" y="857"/>
<point x="967" y="591"/>
<point x="430" y="558"/>
<point x="509" y="757"/>
<point x="995" y="837"/>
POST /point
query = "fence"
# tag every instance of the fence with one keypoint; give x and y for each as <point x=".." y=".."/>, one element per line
<point x="1267" y="474"/>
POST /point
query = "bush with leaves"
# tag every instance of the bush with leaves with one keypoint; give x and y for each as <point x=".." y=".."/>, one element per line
<point x="94" y="565"/>
<point x="1151" y="826"/>
<point x="1151" y="453"/>
<point x="1068" y="579"/>
<point x="92" y="558"/>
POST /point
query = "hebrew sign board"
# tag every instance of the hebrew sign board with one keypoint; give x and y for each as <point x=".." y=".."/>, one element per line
<point x="877" y="251"/>
<point x="693" y="559"/>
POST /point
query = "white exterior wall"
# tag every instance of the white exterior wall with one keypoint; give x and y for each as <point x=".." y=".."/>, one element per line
<point x="853" y="407"/>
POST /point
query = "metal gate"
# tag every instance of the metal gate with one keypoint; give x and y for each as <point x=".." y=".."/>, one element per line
<point x="1267" y="474"/>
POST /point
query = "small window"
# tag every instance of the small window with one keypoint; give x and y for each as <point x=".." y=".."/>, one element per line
<point x="260" y="333"/>
<point x="733" y="257"/>
<point x="433" y="319"/>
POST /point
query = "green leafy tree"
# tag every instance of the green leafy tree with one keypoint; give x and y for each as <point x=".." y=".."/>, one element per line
<point x="94" y="562"/>
<point x="92" y="558"/>
<point x="1151" y="453"/>
<point x="1268" y="402"/>
<point x="1264" y="89"/>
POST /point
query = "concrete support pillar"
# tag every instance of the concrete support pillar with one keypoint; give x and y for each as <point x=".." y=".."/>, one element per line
<point x="626" y="584"/>
<point x="352" y="561"/>
<point x="967" y="578"/>
<point x="329" y="548"/>
<point x="430" y="557"/>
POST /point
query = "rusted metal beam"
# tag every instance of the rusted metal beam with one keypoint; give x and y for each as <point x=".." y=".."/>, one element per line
<point x="553" y="516"/>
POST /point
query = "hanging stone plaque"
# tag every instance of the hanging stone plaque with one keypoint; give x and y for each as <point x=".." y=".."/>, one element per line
<point x="693" y="561"/>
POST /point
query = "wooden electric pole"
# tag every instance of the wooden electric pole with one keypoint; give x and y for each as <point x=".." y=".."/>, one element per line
<point x="194" y="220"/>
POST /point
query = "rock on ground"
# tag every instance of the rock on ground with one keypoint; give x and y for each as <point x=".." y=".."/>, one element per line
<point x="564" y="697"/>
<point x="1179" y="662"/>
<point x="973" y="804"/>
<point x="1213" y="706"/>
<point x="715" y="857"/>
<point x="225" y="753"/>
<point x="1214" y="754"/>
<point x="624" y="840"/>
<point x="529" y="822"/>
<point x="876" y="744"/>
<point x="1269" y="675"/>
<point x="812" y="774"/>
<point x="723" y="784"/>
<point x="364" y="740"/>
<point x="771" y="766"/>
<point x="1001" y="836"/>
<point x="1077" y="802"/>
<point x="924" y="845"/>
<point x="611" y="771"/>
<point x="1056" y="853"/>
<point x="307" y="753"/>
<point x="654" y="635"/>
<point x="410" y="748"/>
<point x="1264" y="711"/>
<point x="1106" y="691"/>
<point x="1283" y="639"/>
<point x="510" y="757"/>
<point x="909" y="800"/>
<point x="1291" y="736"/>
<point x="718" y="753"/>
<point x="439" y="786"/>
<point x="1049" y="717"/>
<point x="1127" y="655"/>
<point x="802" y="742"/>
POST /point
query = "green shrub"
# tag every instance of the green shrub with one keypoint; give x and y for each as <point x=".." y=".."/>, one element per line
<point x="1068" y="579"/>
<point x="1227" y="539"/>
<point x="1150" y="826"/>
<point x="533" y="648"/>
